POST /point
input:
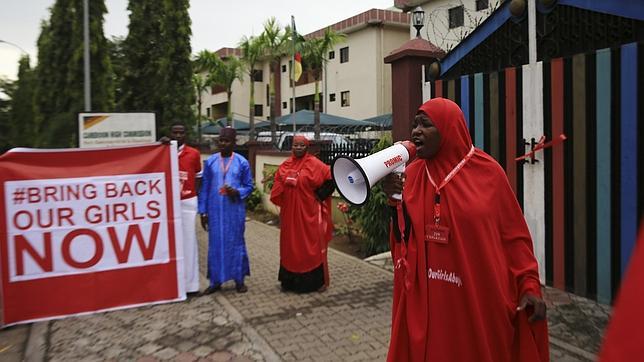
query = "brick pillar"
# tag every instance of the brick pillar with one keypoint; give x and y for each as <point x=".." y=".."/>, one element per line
<point x="406" y="82"/>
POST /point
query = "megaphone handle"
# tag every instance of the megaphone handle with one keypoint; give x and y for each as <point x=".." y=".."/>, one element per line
<point x="398" y="171"/>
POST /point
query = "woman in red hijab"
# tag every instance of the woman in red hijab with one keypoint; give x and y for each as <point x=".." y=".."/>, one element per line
<point x="301" y="189"/>
<point x="466" y="283"/>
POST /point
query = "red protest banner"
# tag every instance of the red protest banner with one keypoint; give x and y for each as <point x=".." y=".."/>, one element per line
<point x="88" y="230"/>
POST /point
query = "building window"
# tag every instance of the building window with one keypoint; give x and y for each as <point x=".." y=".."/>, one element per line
<point x="344" y="99"/>
<point x="268" y="96"/>
<point x="332" y="54"/>
<point x="258" y="75"/>
<point x="283" y="68"/>
<point x="456" y="17"/>
<point x="344" y="55"/>
<point x="332" y="97"/>
<point x="208" y="112"/>
<point x="482" y="4"/>
<point x="259" y="110"/>
<point x="284" y="105"/>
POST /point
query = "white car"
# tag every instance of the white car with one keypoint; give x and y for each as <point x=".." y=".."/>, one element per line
<point x="285" y="139"/>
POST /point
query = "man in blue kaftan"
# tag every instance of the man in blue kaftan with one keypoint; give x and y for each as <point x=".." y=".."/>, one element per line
<point x="226" y="183"/>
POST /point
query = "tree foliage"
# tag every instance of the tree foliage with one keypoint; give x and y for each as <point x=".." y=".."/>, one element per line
<point x="223" y="72"/>
<point x="274" y="41"/>
<point x="53" y="102"/>
<point x="176" y="67"/>
<point x="143" y="51"/>
<point x="252" y="50"/>
<point x="117" y="58"/>
<point x="59" y="75"/>
<point x="157" y="72"/>
<point x="7" y="88"/>
<point x="199" y="86"/>
<point x="22" y="115"/>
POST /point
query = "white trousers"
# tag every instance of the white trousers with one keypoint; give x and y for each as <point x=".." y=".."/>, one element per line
<point x="190" y="246"/>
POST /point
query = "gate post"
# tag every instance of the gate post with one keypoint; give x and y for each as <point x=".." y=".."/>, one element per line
<point x="407" y="82"/>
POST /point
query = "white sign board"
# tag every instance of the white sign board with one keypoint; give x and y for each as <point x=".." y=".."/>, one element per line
<point x="115" y="129"/>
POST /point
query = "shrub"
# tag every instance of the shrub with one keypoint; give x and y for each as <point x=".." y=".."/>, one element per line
<point x="254" y="200"/>
<point x="373" y="216"/>
<point x="268" y="179"/>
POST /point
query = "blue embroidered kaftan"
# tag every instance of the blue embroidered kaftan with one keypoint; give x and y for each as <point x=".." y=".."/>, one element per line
<point x="227" y="256"/>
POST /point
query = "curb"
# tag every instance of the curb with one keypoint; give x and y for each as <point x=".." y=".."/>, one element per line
<point x="255" y="338"/>
<point x="572" y="349"/>
<point x="37" y="342"/>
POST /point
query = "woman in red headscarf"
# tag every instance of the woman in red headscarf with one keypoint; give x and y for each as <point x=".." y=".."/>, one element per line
<point x="301" y="189"/>
<point x="466" y="283"/>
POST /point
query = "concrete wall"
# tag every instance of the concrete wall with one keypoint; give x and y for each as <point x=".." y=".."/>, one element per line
<point x="436" y="28"/>
<point x="240" y="97"/>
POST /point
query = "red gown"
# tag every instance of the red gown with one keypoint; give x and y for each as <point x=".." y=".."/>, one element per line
<point x="623" y="338"/>
<point x="306" y="225"/>
<point x="456" y="301"/>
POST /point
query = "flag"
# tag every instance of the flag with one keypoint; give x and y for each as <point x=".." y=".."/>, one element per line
<point x="297" y="69"/>
<point x="297" y="57"/>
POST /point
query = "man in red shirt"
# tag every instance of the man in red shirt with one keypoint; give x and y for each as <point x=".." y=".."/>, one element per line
<point x="189" y="182"/>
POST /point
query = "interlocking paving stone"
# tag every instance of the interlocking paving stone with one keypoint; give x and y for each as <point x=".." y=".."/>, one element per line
<point x="351" y="321"/>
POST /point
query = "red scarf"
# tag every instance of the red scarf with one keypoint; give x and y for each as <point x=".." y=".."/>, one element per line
<point x="456" y="301"/>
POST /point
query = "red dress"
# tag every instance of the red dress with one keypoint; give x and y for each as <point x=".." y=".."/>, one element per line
<point x="456" y="300"/>
<point x="306" y="226"/>
<point x="623" y="338"/>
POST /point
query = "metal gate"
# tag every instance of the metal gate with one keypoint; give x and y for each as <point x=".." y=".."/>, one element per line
<point x="581" y="197"/>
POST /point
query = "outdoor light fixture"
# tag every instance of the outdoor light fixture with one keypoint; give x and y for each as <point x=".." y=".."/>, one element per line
<point x="418" y="19"/>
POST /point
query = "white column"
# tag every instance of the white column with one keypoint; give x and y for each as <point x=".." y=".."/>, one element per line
<point x="533" y="174"/>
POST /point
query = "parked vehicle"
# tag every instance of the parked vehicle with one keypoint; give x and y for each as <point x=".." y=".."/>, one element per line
<point x="285" y="139"/>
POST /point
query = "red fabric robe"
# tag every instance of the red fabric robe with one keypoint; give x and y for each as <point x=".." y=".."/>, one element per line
<point x="306" y="225"/>
<point x="623" y="339"/>
<point x="457" y="301"/>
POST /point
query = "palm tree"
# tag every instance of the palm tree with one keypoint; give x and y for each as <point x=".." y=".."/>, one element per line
<point x="274" y="40"/>
<point x="314" y="56"/>
<point x="200" y="84"/>
<point x="223" y="72"/>
<point x="251" y="50"/>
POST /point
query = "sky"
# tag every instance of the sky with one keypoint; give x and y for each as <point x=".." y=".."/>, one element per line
<point x="215" y="23"/>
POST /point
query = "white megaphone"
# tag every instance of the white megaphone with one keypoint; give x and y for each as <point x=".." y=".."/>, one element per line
<point x="355" y="178"/>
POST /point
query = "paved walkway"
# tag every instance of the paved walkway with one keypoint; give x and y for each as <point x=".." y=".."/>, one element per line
<point x="348" y="322"/>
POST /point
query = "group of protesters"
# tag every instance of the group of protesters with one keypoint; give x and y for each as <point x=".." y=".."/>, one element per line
<point x="302" y="188"/>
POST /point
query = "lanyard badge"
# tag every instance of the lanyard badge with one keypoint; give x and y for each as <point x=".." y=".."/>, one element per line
<point x="224" y="169"/>
<point x="435" y="232"/>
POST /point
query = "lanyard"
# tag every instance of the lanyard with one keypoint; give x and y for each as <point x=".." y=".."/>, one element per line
<point x="437" y="197"/>
<point x="225" y="168"/>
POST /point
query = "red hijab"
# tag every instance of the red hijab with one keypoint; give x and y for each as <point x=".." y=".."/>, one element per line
<point x="456" y="301"/>
<point x="301" y="138"/>
<point x="455" y="138"/>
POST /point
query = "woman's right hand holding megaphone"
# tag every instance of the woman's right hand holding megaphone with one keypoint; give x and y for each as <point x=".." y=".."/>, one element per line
<point x="392" y="184"/>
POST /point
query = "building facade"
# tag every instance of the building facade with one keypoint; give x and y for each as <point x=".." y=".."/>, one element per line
<point x="448" y="22"/>
<point x="355" y="84"/>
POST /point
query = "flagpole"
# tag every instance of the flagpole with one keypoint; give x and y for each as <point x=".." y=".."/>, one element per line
<point x="294" y="34"/>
